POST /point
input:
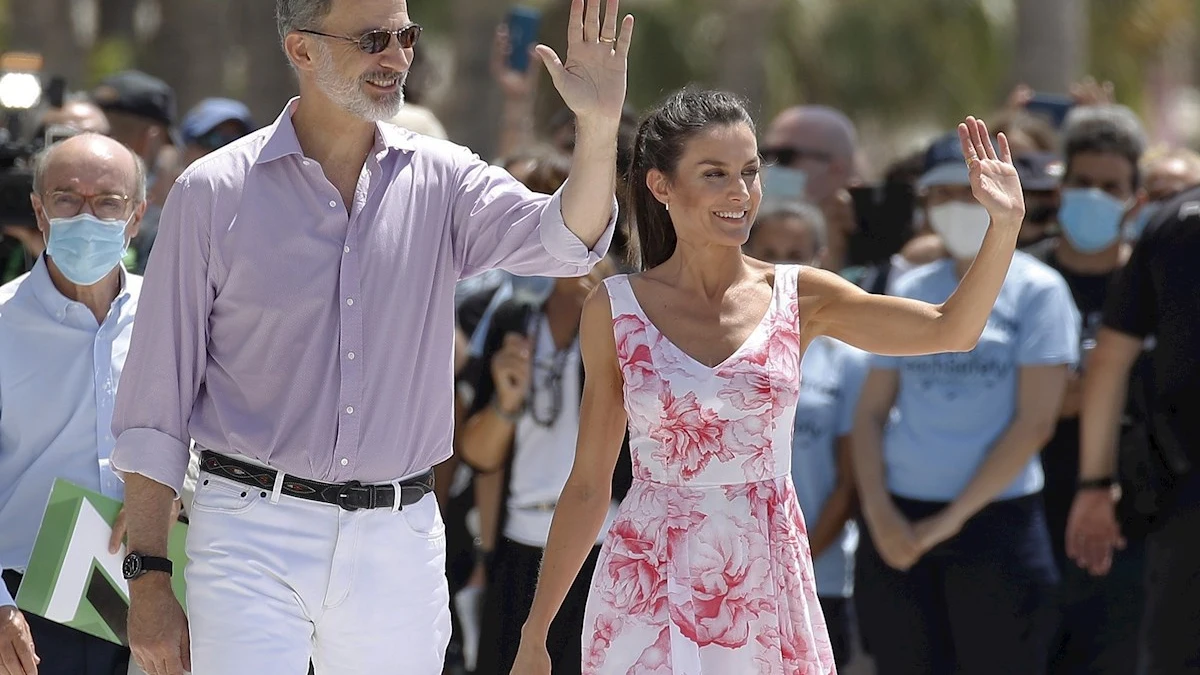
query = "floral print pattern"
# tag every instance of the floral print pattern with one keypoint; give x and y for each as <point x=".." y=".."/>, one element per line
<point x="707" y="569"/>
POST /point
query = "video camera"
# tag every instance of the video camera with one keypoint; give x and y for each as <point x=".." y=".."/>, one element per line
<point x="16" y="182"/>
<point x="16" y="159"/>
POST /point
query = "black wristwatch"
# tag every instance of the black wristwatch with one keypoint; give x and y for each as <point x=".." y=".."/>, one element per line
<point x="136" y="565"/>
<point x="1105" y="483"/>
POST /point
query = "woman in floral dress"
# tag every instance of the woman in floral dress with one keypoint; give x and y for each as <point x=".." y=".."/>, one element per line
<point x="706" y="570"/>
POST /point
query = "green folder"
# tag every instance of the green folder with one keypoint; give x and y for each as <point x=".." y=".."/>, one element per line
<point x="72" y="579"/>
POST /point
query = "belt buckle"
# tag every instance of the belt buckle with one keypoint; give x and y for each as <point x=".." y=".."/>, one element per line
<point x="353" y="496"/>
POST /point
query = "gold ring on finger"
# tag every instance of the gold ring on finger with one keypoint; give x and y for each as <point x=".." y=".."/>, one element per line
<point x="608" y="40"/>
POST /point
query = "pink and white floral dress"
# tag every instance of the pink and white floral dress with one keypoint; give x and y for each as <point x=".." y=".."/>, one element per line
<point x="706" y="569"/>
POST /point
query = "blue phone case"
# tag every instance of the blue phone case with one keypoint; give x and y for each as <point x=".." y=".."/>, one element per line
<point x="1053" y="107"/>
<point x="523" y="23"/>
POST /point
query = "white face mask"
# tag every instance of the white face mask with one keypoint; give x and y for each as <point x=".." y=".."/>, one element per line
<point x="961" y="226"/>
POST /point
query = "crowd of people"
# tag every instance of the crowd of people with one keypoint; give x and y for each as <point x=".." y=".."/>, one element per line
<point x="648" y="392"/>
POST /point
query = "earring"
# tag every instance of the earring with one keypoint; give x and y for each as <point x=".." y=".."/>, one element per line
<point x="668" y="205"/>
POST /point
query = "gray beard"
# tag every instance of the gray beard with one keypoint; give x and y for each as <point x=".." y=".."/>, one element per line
<point x="351" y="94"/>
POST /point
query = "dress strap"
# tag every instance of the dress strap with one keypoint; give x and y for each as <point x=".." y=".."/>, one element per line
<point x="620" y="295"/>
<point x="787" y="284"/>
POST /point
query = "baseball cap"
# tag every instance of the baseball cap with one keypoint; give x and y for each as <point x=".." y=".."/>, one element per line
<point x="137" y="93"/>
<point x="944" y="163"/>
<point x="1039" y="171"/>
<point x="211" y="113"/>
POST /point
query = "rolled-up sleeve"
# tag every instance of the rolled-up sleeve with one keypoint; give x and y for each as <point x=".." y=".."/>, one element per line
<point x="165" y="366"/>
<point x="499" y="223"/>
<point x="562" y="243"/>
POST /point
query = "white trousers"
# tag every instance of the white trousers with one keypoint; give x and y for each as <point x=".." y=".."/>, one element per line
<point x="273" y="581"/>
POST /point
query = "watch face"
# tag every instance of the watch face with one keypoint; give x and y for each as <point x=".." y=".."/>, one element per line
<point x="132" y="566"/>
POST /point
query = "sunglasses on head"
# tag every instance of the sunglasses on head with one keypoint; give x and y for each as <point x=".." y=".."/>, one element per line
<point x="374" y="42"/>
<point x="790" y="156"/>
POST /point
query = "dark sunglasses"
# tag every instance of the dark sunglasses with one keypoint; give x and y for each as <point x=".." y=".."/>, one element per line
<point x="790" y="156"/>
<point x="376" y="41"/>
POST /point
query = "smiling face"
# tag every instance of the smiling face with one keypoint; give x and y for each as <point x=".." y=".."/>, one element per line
<point x="368" y="86"/>
<point x="714" y="193"/>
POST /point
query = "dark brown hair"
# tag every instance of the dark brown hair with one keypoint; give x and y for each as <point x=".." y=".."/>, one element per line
<point x="661" y="138"/>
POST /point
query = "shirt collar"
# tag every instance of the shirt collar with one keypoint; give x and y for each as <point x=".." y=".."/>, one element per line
<point x="282" y="141"/>
<point x="54" y="302"/>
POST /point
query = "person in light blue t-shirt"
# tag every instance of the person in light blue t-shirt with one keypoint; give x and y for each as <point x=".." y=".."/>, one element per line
<point x="821" y="458"/>
<point x="957" y="574"/>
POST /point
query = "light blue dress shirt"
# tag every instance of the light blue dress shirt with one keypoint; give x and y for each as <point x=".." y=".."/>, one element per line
<point x="58" y="382"/>
<point x="830" y="384"/>
<point x="952" y="408"/>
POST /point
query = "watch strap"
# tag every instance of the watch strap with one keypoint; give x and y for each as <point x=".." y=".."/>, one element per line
<point x="155" y="564"/>
<point x="136" y="565"/>
<point x="1104" y="483"/>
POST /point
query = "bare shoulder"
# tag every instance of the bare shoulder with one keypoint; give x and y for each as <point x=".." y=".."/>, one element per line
<point x="597" y="303"/>
<point x="597" y="341"/>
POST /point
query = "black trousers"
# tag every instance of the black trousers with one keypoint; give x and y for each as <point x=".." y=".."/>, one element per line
<point x="66" y="651"/>
<point x="839" y="621"/>
<point x="980" y="603"/>
<point x="1100" y="617"/>
<point x="1171" y="623"/>
<point x="512" y="580"/>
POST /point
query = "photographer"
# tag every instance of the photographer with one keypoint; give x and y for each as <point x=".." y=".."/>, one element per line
<point x="524" y="423"/>
<point x="64" y="332"/>
<point x="21" y="243"/>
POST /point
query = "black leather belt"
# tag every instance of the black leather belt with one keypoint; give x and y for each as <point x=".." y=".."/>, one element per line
<point x="350" y="496"/>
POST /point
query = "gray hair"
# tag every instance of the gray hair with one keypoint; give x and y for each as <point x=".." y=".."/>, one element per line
<point x="42" y="159"/>
<point x="291" y="15"/>
<point x="803" y="211"/>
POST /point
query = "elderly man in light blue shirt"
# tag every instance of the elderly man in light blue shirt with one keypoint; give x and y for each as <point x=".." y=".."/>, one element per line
<point x="64" y="332"/>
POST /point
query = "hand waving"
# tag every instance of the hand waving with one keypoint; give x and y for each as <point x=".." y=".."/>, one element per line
<point x="994" y="181"/>
<point x="592" y="81"/>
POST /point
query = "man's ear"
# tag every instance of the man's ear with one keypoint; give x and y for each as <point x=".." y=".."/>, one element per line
<point x="39" y="212"/>
<point x="299" y="51"/>
<point x="135" y="223"/>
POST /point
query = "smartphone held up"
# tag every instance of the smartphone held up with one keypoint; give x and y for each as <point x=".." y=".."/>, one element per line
<point x="522" y="25"/>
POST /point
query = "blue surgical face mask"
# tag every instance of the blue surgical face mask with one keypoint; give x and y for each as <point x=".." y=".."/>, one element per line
<point x="783" y="183"/>
<point x="85" y="248"/>
<point x="1090" y="218"/>
<point x="1135" y="227"/>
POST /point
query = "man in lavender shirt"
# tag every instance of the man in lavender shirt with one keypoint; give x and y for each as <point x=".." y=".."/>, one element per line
<point x="298" y="325"/>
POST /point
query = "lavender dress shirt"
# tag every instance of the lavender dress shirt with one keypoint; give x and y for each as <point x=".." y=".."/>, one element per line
<point x="273" y="325"/>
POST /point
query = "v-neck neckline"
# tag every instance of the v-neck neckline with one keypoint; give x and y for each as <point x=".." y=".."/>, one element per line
<point x="758" y="327"/>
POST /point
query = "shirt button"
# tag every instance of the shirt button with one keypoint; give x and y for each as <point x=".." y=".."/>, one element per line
<point x="346" y="249"/>
<point x="349" y="410"/>
<point x="306" y="162"/>
<point x="332" y="204"/>
<point x="350" y="301"/>
<point x="350" y="356"/>
<point x="345" y="461"/>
